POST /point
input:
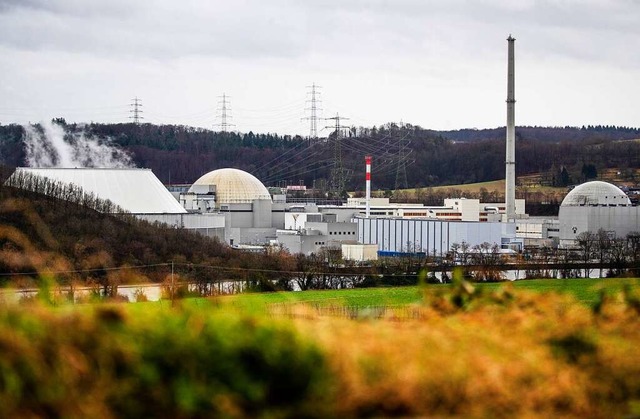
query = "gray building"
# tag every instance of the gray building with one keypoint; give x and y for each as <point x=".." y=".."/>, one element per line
<point x="313" y="236"/>
<point x="431" y="236"/>
<point x="593" y="206"/>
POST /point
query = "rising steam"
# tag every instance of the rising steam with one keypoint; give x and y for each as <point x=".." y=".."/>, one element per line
<point x="48" y="145"/>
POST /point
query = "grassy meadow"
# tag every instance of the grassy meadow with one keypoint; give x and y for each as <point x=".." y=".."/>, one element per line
<point x="586" y="291"/>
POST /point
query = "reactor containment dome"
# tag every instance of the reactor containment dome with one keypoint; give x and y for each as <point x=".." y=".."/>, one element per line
<point x="596" y="193"/>
<point x="233" y="186"/>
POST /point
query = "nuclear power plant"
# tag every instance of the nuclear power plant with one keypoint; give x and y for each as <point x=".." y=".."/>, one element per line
<point x="237" y="208"/>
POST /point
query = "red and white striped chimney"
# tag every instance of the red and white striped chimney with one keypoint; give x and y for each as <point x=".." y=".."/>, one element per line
<point x="367" y="160"/>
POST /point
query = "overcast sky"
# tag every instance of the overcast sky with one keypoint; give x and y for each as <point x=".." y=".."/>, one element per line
<point x="439" y="64"/>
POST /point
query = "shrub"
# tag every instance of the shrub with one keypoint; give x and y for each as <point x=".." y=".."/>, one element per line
<point x="100" y="362"/>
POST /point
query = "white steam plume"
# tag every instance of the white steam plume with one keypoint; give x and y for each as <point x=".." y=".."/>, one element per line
<point x="49" y="145"/>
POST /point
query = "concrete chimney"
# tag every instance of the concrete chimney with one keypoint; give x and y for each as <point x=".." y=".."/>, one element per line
<point x="510" y="175"/>
<point x="367" y="161"/>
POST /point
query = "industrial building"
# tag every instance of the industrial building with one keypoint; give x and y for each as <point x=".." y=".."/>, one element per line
<point x="433" y="237"/>
<point x="253" y="216"/>
<point x="538" y="231"/>
<point x="137" y="191"/>
<point x="595" y="206"/>
<point x="453" y="209"/>
<point x="589" y="207"/>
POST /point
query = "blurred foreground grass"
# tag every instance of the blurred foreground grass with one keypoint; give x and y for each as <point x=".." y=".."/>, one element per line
<point x="472" y="352"/>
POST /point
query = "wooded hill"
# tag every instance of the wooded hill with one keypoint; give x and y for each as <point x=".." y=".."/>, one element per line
<point x="181" y="154"/>
<point x="71" y="242"/>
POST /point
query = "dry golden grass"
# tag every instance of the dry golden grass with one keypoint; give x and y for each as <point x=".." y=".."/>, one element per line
<point x="527" y="355"/>
<point x="529" y="184"/>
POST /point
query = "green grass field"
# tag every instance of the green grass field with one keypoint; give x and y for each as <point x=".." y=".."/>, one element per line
<point x="585" y="291"/>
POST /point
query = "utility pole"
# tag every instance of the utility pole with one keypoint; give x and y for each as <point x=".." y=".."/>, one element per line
<point x="135" y="110"/>
<point x="223" y="110"/>
<point x="172" y="287"/>
<point x="313" y="117"/>
<point x="339" y="174"/>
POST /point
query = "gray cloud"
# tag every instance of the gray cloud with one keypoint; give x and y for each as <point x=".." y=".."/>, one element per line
<point x="167" y="30"/>
<point x="441" y="60"/>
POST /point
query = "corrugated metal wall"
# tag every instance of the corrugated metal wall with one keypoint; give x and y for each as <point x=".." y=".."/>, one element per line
<point x="420" y="235"/>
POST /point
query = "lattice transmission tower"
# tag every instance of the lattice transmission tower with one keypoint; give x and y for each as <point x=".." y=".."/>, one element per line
<point x="224" y="107"/>
<point x="339" y="175"/>
<point x="313" y="108"/>
<point x="404" y="150"/>
<point x="136" y="111"/>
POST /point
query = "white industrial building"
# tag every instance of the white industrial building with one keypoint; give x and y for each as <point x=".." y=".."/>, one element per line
<point x="538" y="231"/>
<point x="433" y="237"/>
<point x="252" y="216"/>
<point x="593" y="206"/>
<point x="453" y="209"/>
<point x="137" y="191"/>
<point x="318" y="232"/>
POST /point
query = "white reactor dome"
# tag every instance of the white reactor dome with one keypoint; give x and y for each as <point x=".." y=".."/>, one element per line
<point x="233" y="186"/>
<point x="596" y="193"/>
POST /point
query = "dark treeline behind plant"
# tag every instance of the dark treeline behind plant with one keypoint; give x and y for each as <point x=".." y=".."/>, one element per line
<point x="181" y="154"/>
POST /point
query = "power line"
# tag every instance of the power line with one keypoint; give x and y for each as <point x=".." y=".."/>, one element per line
<point x="72" y="271"/>
<point x="136" y="112"/>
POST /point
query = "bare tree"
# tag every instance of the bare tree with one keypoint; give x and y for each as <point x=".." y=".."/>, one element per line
<point x="587" y="242"/>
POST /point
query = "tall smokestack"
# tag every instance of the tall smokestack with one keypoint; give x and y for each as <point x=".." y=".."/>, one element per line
<point x="367" y="161"/>
<point x="510" y="175"/>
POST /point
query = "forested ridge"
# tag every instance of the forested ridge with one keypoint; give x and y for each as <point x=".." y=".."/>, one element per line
<point x="181" y="154"/>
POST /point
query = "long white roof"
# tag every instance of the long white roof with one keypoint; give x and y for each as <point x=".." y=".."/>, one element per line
<point x="138" y="191"/>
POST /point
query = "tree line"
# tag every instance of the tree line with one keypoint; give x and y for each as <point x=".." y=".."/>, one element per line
<point x="181" y="154"/>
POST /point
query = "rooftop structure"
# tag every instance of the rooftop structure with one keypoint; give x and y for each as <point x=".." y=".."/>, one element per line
<point x="596" y="207"/>
<point x="138" y="191"/>
<point x="596" y="193"/>
<point x="230" y="186"/>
